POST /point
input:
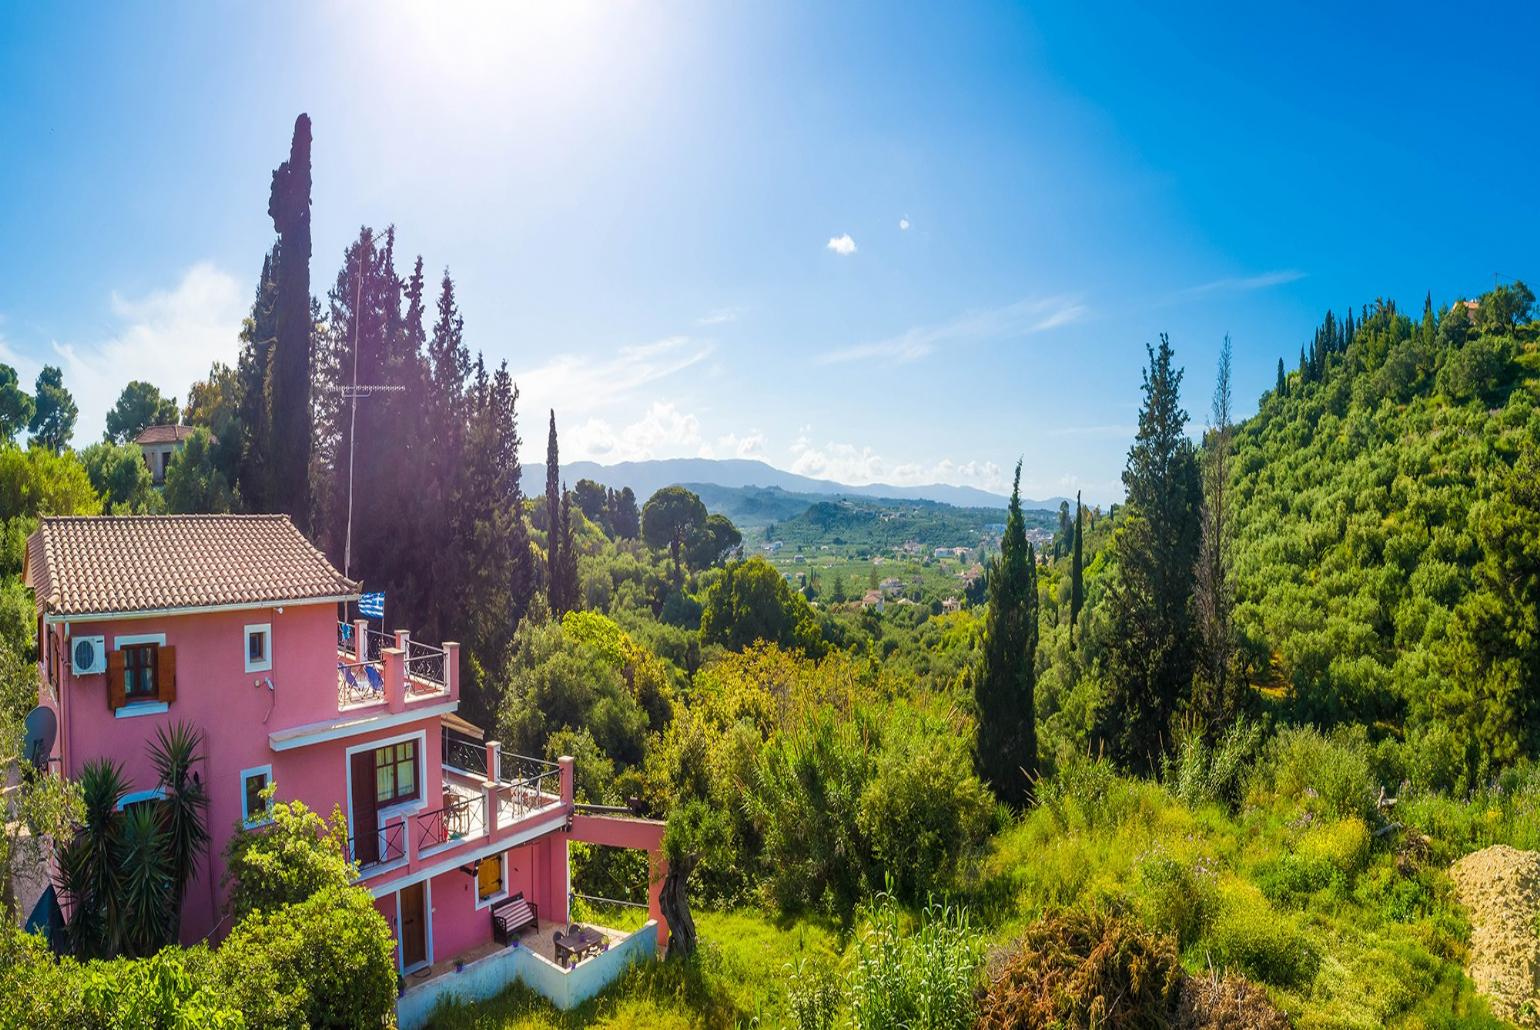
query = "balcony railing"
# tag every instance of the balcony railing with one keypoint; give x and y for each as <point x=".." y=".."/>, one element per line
<point x="390" y="846"/>
<point x="534" y="793"/>
<point x="459" y="818"/>
<point x="425" y="664"/>
<point x="462" y="753"/>
<point x="360" y="683"/>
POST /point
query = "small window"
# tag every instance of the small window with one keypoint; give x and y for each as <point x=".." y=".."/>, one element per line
<point x="489" y="877"/>
<point x="139" y="672"/>
<point x="395" y="773"/>
<point x="253" y="805"/>
<point x="259" y="647"/>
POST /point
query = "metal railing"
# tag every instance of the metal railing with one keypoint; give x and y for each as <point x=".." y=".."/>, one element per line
<point x="425" y="663"/>
<point x="390" y="846"/>
<point x="460" y="817"/>
<point x="513" y="768"/>
<point x="360" y="683"/>
<point x="465" y="754"/>
<point x="532" y="794"/>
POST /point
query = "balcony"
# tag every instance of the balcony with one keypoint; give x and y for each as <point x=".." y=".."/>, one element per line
<point x="364" y="661"/>
<point x="477" y="812"/>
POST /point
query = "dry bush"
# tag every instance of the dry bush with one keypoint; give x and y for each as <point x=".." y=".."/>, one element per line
<point x="1226" y="1003"/>
<point x="1079" y="969"/>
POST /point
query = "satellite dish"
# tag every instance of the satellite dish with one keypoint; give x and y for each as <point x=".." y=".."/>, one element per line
<point x="42" y="727"/>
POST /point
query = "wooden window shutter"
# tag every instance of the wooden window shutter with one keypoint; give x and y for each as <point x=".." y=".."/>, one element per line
<point x="115" y="678"/>
<point x="165" y="673"/>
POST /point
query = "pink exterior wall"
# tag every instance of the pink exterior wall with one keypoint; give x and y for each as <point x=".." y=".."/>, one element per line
<point x="234" y="709"/>
<point x="537" y="870"/>
<point x="237" y="712"/>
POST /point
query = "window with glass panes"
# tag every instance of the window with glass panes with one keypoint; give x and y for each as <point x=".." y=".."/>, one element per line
<point x="395" y="772"/>
<point x="139" y="671"/>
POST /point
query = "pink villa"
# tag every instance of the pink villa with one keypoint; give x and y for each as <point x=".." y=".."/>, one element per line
<point x="230" y="623"/>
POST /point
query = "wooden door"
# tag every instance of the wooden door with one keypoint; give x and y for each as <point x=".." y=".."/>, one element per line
<point x="365" y="831"/>
<point x="414" y="926"/>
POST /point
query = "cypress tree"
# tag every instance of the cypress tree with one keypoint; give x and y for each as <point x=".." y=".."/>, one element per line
<point x="253" y="374"/>
<point x="289" y="207"/>
<point x="1150" y="600"/>
<point x="553" y="492"/>
<point x="1282" y="389"/>
<point x="1076" y="572"/>
<point x="1216" y="696"/>
<point x="566" y="570"/>
<point x="1003" y="690"/>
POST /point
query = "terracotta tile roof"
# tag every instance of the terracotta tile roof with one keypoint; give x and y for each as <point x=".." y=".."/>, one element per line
<point x="163" y="434"/>
<point x="99" y="565"/>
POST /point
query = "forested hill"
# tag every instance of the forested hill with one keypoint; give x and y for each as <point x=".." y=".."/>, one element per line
<point x="1386" y="551"/>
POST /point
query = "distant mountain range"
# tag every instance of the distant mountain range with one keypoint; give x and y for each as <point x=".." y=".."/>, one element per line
<point x="647" y="477"/>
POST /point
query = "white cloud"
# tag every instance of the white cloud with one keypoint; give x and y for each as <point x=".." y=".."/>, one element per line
<point x="1022" y="318"/>
<point x="719" y="316"/>
<point x="860" y="465"/>
<point x="1243" y="283"/>
<point x="575" y="385"/>
<point x="903" y="223"/>
<point x="663" y="431"/>
<point x="731" y="445"/>
<point x="167" y="337"/>
<point x="842" y="245"/>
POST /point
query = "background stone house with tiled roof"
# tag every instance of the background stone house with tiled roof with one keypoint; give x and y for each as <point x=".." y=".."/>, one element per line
<point x="159" y="443"/>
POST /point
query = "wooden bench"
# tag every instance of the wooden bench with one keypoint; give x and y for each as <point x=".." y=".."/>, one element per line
<point x="512" y="915"/>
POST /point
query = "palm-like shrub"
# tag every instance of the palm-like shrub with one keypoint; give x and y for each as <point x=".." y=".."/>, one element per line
<point x="145" y="872"/>
<point x="90" y="877"/>
<point x="183" y="810"/>
<point x="124" y="872"/>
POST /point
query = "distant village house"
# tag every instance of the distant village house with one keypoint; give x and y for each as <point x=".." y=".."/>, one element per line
<point x="159" y="443"/>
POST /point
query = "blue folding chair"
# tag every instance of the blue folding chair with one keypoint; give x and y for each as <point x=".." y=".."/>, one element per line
<point x="376" y="681"/>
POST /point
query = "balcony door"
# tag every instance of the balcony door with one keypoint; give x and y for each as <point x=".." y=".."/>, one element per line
<point x="365" y="828"/>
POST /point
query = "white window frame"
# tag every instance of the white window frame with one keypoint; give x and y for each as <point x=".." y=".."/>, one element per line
<point x="501" y="856"/>
<point x="263" y="818"/>
<point x="265" y="664"/>
<point x="399" y="810"/>
<point x="140" y="707"/>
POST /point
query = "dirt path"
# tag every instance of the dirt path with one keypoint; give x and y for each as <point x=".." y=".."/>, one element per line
<point x="1500" y="887"/>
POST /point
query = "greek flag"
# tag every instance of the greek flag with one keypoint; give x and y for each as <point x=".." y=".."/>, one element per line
<point x="372" y="606"/>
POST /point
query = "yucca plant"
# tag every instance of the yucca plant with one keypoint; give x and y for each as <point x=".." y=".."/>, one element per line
<point x="183" y="809"/>
<point x="90" y="874"/>
<point x="148" y="919"/>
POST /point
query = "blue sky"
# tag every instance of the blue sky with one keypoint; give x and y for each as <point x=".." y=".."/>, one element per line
<point x="645" y="205"/>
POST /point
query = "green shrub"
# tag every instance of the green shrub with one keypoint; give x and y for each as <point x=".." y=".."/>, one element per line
<point x="1343" y="845"/>
<point x="1214" y="774"/>
<point x="1177" y="897"/>
<point x="1251" y="936"/>
<point x="1329" y="776"/>
<point x="168" y="990"/>
<point x="287" y="860"/>
<point x="1080" y="969"/>
<point x="924" y="980"/>
<point x="326" y="961"/>
<point x="812" y="995"/>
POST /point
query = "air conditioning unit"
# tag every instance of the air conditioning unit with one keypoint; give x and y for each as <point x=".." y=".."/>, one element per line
<point x="88" y="655"/>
